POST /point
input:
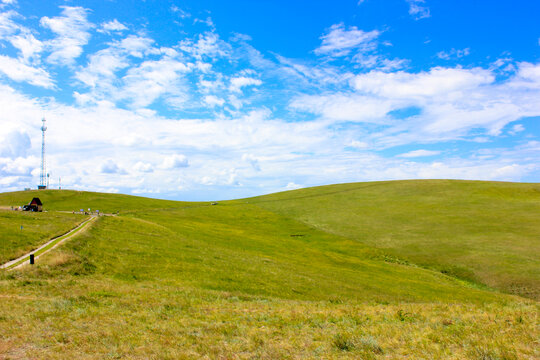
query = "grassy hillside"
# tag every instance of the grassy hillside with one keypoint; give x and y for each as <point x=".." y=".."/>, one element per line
<point x="237" y="280"/>
<point x="21" y="232"/>
<point x="486" y="232"/>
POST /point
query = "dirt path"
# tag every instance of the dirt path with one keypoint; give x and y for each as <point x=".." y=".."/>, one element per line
<point x="48" y="246"/>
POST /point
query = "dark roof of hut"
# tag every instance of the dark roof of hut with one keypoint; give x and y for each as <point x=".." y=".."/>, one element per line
<point x="35" y="201"/>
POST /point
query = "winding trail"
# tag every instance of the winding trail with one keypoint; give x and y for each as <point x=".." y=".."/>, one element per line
<point x="48" y="246"/>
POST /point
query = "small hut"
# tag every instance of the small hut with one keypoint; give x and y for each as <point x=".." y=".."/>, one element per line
<point x="34" y="205"/>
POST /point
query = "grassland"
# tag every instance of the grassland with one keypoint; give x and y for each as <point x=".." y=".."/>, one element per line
<point x="248" y="279"/>
<point x="485" y="232"/>
<point x="21" y="232"/>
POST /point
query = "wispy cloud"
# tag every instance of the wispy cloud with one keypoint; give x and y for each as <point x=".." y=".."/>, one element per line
<point x="237" y="83"/>
<point x="453" y="54"/>
<point x="72" y="33"/>
<point x="418" y="10"/>
<point x="340" y="41"/>
<point x="18" y="71"/>
<point x="419" y="153"/>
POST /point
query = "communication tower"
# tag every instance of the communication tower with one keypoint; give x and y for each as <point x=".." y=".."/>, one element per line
<point x="43" y="177"/>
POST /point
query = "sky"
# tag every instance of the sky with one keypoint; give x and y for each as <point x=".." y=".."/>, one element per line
<point x="209" y="100"/>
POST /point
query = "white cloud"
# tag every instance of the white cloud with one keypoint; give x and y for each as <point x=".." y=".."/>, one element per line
<point x="344" y="107"/>
<point x="175" y="161"/>
<point x="419" y="153"/>
<point x="213" y="101"/>
<point x="453" y="54"/>
<point x="418" y="10"/>
<point x="181" y="13"/>
<point x="292" y="186"/>
<point x="358" y="144"/>
<point x="19" y="166"/>
<point x="208" y="45"/>
<point x="516" y="129"/>
<point x="340" y="41"/>
<point x="143" y="167"/>
<point x="208" y="22"/>
<point x="143" y="83"/>
<point x="7" y="25"/>
<point x="110" y="167"/>
<point x="252" y="160"/>
<point x="237" y="83"/>
<point x="15" y="144"/>
<point x="453" y="103"/>
<point x="152" y="79"/>
<point x="27" y="44"/>
<point x="102" y="67"/>
<point x="436" y="82"/>
<point x="137" y="46"/>
<point x="72" y="33"/>
<point x="18" y="71"/>
<point x="113" y="25"/>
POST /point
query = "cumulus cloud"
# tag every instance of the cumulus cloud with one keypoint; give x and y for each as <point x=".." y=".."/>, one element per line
<point x="15" y="144"/>
<point x="175" y="161"/>
<point x="435" y="82"/>
<point x="152" y="79"/>
<point x="213" y="101"/>
<point x="452" y="102"/>
<point x="143" y="167"/>
<point x="111" y="26"/>
<point x="110" y="167"/>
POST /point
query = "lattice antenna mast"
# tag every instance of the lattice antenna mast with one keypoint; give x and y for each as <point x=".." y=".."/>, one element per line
<point x="42" y="176"/>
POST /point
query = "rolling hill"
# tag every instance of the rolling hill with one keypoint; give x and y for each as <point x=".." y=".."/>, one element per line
<point x="372" y="270"/>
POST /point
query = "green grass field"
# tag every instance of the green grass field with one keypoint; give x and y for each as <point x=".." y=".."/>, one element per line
<point x="485" y="232"/>
<point x="262" y="278"/>
<point x="21" y="232"/>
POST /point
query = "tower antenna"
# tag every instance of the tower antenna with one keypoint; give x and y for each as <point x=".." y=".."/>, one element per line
<point x="42" y="176"/>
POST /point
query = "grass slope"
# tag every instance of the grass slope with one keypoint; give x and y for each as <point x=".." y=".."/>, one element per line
<point x="486" y="232"/>
<point x="21" y="232"/>
<point x="240" y="281"/>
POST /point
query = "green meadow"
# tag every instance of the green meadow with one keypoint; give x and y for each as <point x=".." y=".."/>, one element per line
<point x="387" y="270"/>
<point x="21" y="232"/>
<point x="484" y="232"/>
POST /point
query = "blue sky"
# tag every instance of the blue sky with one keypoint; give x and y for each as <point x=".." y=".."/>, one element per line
<point x="200" y="100"/>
